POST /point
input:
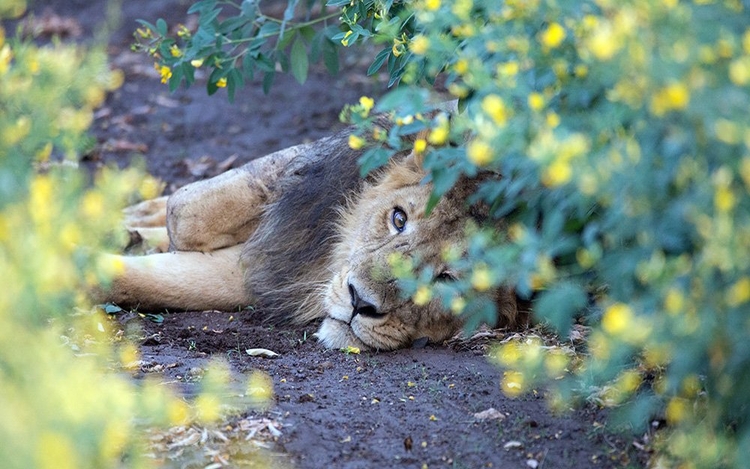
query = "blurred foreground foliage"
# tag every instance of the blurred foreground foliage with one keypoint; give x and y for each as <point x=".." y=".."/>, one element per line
<point x="61" y="403"/>
<point x="621" y="132"/>
<point x="622" y="136"/>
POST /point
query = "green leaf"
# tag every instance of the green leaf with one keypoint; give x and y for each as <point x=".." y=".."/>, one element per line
<point x="249" y="9"/>
<point x="156" y="318"/>
<point x="308" y="32"/>
<point x="378" y="61"/>
<point x="231" y="24"/>
<point x="560" y="304"/>
<point x="201" y="6"/>
<point x="268" y="78"/>
<point x="234" y="80"/>
<point x="331" y="57"/>
<point x="300" y="63"/>
<point x="161" y="27"/>
<point x="207" y="18"/>
<point x="372" y="159"/>
<point x="176" y="78"/>
<point x="111" y="308"/>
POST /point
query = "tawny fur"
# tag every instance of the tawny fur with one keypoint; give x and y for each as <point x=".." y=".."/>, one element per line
<point x="295" y="233"/>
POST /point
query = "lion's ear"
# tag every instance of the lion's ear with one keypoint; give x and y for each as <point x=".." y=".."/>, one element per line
<point x="416" y="158"/>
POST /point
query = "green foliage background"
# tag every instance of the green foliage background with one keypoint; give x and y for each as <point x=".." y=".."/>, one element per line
<point x="622" y="134"/>
<point x="64" y="402"/>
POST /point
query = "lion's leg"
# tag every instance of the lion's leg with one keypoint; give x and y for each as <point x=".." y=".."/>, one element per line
<point x="225" y="210"/>
<point x="146" y="223"/>
<point x="180" y="280"/>
<point x="147" y="214"/>
<point x="147" y="240"/>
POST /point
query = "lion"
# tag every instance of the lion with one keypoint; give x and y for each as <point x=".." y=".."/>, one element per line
<point x="300" y="235"/>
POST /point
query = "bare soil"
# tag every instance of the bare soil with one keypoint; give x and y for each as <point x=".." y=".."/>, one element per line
<point x="410" y="408"/>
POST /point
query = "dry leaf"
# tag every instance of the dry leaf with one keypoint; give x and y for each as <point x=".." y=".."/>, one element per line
<point x="513" y="445"/>
<point x="261" y="352"/>
<point x="489" y="414"/>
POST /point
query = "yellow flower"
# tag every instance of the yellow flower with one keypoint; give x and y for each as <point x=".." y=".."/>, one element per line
<point x="558" y="173"/>
<point x="164" y="71"/>
<point x="457" y="90"/>
<point x="617" y="319"/>
<point x="457" y="305"/>
<point x="345" y="39"/>
<point x="422" y="296"/>
<point x="259" y="388"/>
<point x="398" y="48"/>
<point x="419" y="44"/>
<point x="222" y="83"/>
<point x="420" y="145"/>
<point x="673" y="97"/>
<point x="365" y="106"/>
<point x="628" y="381"/>
<point x="536" y="101"/>
<point x="512" y="383"/>
<point x="463" y="30"/>
<point x="739" y="71"/>
<point x="432" y="5"/>
<point x="209" y="408"/>
<point x="676" y="410"/>
<point x="495" y="107"/>
<point x="17" y="131"/>
<point x="183" y="31"/>
<point x="479" y="152"/>
<point x="406" y="120"/>
<point x="356" y="142"/>
<point x="92" y="205"/>
<point x="508" y="69"/>
<point x="116" y="79"/>
<point x="175" y="51"/>
<point x="553" y="120"/>
<point x="461" y="66"/>
<point x="439" y="135"/>
<point x="674" y="301"/>
<point x="481" y="279"/>
<point x="553" y="36"/>
<point x="724" y="199"/>
<point x="603" y="43"/>
<point x="5" y="57"/>
<point x="508" y="354"/>
<point x="555" y="363"/>
<point x="144" y="33"/>
<point x="196" y="63"/>
<point x="739" y="293"/>
<point x="56" y="450"/>
<point x="178" y="412"/>
<point x="150" y="188"/>
<point x="728" y="131"/>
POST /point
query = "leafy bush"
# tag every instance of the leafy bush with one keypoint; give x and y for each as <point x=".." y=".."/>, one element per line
<point x="239" y="44"/>
<point x="622" y="135"/>
<point x="61" y="403"/>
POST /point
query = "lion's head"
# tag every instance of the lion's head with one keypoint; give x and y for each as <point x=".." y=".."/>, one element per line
<point x="362" y="301"/>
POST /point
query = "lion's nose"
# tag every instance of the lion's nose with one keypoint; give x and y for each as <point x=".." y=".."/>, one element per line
<point x="361" y="306"/>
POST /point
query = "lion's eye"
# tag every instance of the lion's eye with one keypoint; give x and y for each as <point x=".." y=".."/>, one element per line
<point x="398" y="219"/>
<point x="445" y="277"/>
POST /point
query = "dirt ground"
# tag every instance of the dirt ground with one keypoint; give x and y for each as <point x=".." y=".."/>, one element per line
<point x="411" y="408"/>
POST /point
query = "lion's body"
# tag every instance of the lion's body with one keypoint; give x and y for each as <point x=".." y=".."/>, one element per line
<point x="300" y="235"/>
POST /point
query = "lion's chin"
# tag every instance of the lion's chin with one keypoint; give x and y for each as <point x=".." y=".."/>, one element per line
<point x="334" y="333"/>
